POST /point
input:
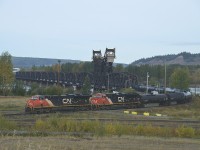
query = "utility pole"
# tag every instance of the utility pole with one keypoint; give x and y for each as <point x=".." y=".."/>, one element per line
<point x="58" y="83"/>
<point x="108" y="83"/>
<point x="147" y="82"/>
<point x="165" y="78"/>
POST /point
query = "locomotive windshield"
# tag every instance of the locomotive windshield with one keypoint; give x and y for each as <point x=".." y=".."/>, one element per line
<point x="34" y="97"/>
<point x="97" y="96"/>
<point x="40" y="97"/>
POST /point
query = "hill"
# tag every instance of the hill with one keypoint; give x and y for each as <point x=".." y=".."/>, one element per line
<point x="183" y="58"/>
<point x="28" y="62"/>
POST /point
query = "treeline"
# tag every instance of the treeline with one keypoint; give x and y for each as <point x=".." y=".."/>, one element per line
<point x="177" y="76"/>
<point x="67" y="67"/>
<point x="156" y="72"/>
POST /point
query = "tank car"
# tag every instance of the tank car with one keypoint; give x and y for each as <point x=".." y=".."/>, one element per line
<point x="153" y="100"/>
<point x="175" y="98"/>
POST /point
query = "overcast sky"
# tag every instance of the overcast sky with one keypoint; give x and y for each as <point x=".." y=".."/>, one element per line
<point x="71" y="29"/>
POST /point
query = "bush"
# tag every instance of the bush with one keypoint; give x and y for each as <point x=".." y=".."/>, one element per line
<point x="41" y="125"/>
<point x="112" y="128"/>
<point x="185" y="132"/>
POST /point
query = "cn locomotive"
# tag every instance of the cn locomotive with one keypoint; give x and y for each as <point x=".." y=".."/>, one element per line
<point x="49" y="103"/>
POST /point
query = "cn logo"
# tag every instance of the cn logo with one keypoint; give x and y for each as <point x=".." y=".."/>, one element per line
<point x="120" y="99"/>
<point x="67" y="101"/>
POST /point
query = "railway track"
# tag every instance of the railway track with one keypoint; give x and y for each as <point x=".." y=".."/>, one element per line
<point x="28" y="120"/>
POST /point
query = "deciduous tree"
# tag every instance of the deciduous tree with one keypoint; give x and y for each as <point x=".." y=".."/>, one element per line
<point x="86" y="86"/>
<point x="6" y="73"/>
<point x="180" y="78"/>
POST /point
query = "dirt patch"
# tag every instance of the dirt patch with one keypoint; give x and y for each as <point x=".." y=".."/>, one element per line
<point x="98" y="143"/>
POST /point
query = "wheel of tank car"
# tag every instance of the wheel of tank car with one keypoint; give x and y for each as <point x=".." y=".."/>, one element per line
<point x="27" y="110"/>
<point x="83" y="108"/>
<point x="87" y="108"/>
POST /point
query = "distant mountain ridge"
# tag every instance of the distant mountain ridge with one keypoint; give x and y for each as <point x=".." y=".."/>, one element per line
<point x="184" y="58"/>
<point x="27" y="62"/>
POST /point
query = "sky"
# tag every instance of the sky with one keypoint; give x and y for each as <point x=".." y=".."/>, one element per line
<point x="71" y="29"/>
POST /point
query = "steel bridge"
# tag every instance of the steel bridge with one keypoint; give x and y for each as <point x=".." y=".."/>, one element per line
<point x="101" y="78"/>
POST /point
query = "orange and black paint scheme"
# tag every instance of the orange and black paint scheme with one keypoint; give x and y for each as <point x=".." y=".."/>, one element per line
<point x="38" y="102"/>
<point x="51" y="103"/>
<point x="100" y="99"/>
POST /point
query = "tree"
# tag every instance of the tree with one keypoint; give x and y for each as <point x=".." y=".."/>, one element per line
<point x="6" y="73"/>
<point x="119" y="68"/>
<point x="127" y="90"/>
<point x="86" y="86"/>
<point x="18" y="88"/>
<point x="195" y="77"/>
<point x="53" y="90"/>
<point x="180" y="78"/>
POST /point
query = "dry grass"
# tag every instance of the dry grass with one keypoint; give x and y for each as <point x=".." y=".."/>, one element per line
<point x="189" y="110"/>
<point x="94" y="143"/>
<point x="110" y="142"/>
<point x="99" y="129"/>
<point x="12" y="103"/>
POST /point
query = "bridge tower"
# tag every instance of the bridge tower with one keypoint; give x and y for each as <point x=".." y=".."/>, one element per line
<point x="109" y="57"/>
<point x="103" y="66"/>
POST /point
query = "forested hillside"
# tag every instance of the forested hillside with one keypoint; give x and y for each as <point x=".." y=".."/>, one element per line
<point x="183" y="58"/>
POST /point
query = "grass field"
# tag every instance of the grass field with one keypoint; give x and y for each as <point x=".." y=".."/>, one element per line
<point x="189" y="110"/>
<point x="94" y="143"/>
<point x="12" y="103"/>
<point x="106" y="142"/>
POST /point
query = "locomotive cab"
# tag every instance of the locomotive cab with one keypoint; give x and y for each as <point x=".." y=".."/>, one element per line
<point x="37" y="102"/>
<point x="100" y="99"/>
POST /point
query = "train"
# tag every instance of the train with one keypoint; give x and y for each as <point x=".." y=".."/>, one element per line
<point x="52" y="103"/>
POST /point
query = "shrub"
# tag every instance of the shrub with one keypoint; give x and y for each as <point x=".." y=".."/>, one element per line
<point x="110" y="129"/>
<point x="41" y="125"/>
<point x="185" y="132"/>
<point x="99" y="129"/>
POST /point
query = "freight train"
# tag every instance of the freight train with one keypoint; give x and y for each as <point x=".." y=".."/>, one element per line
<point x="51" y="103"/>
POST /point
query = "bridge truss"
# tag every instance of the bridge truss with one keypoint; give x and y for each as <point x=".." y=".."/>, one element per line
<point x="102" y="78"/>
